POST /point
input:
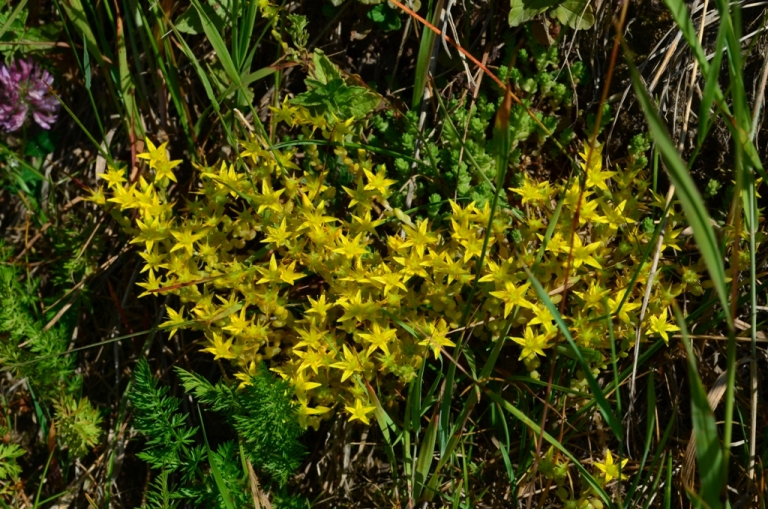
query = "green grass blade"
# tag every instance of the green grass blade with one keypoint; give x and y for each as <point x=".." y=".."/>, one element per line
<point x="550" y="228"/>
<point x="504" y="450"/>
<point x="245" y="29"/>
<point x="42" y="479"/>
<point x="96" y="144"/>
<point x="204" y="80"/>
<point x="710" y="87"/>
<point x="200" y="72"/>
<point x="614" y="363"/>
<point x="679" y="12"/>
<point x="220" y="484"/>
<point x="650" y="424"/>
<point x="668" y="486"/>
<point x="14" y="14"/>
<point x="426" y="455"/>
<point x="388" y="428"/>
<point x="709" y="453"/>
<point x="248" y="79"/>
<point x="687" y="192"/>
<point x="219" y="46"/>
<point x="74" y="11"/>
<point x="126" y="83"/>
<point x="520" y="415"/>
<point x="169" y="73"/>
<point x="416" y="401"/>
<point x="597" y="392"/>
<point x="426" y="47"/>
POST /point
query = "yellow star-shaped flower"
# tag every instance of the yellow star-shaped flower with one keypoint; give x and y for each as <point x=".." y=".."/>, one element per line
<point x="532" y="343"/>
<point x="359" y="412"/>
<point x="513" y="296"/>
<point x="659" y="324"/>
<point x="220" y="349"/>
<point x="610" y="469"/>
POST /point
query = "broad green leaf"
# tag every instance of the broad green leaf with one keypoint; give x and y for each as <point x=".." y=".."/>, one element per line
<point x="189" y="21"/>
<point x="385" y="17"/>
<point x="328" y="94"/>
<point x="587" y="353"/>
<point x="336" y="99"/>
<point x="577" y="14"/>
<point x="40" y="145"/>
<point x="324" y="70"/>
<point x="524" y="10"/>
<point x="360" y="101"/>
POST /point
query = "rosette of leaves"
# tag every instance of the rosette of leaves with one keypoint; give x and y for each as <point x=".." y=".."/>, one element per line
<point x="328" y="94"/>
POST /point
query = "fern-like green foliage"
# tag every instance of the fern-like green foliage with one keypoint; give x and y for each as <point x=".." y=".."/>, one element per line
<point x="260" y="414"/>
<point x="25" y="348"/>
<point x="39" y="356"/>
<point x="77" y="424"/>
<point x="9" y="469"/>
<point x="157" y="417"/>
<point x="159" y="495"/>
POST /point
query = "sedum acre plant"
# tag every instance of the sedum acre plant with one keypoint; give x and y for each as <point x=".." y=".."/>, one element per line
<point x="338" y="291"/>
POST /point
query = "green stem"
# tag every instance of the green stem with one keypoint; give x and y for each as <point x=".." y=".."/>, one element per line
<point x="42" y="479"/>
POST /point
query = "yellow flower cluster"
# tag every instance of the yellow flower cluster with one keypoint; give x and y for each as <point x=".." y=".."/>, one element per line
<point x="337" y="291"/>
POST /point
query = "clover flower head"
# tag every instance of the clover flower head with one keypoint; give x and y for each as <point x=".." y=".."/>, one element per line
<point x="25" y="91"/>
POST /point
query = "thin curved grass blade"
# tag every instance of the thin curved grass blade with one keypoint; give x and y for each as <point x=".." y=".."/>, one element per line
<point x="518" y="414"/>
<point x="709" y="453"/>
<point x="687" y="192"/>
<point x="597" y="392"/>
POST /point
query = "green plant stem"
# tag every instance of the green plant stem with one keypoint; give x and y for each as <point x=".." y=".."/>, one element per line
<point x="42" y="478"/>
